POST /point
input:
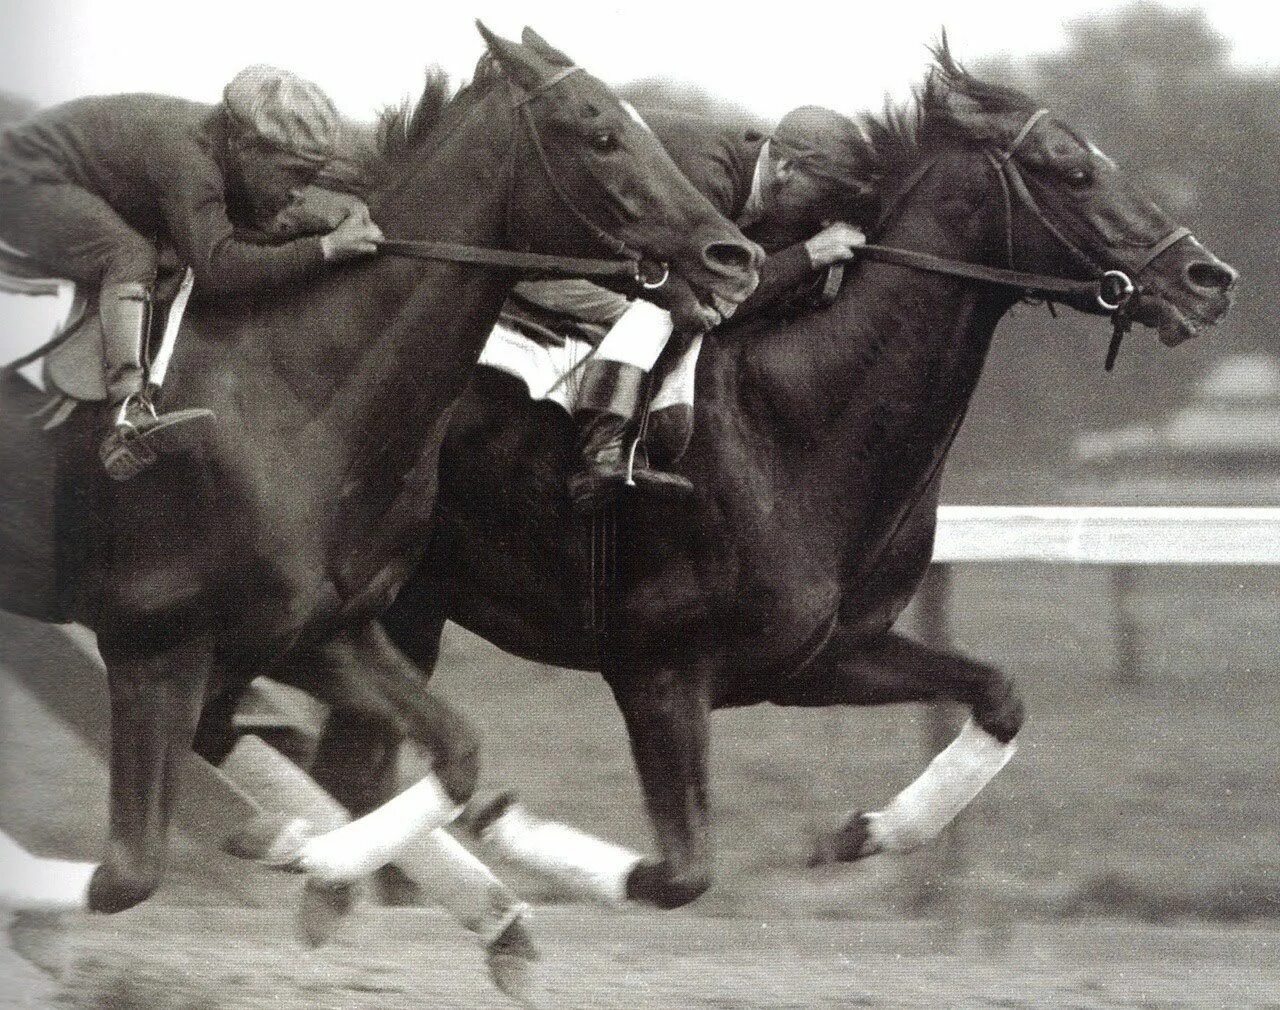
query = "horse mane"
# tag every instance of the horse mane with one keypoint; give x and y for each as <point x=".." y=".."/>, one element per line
<point x="896" y="140"/>
<point x="402" y="130"/>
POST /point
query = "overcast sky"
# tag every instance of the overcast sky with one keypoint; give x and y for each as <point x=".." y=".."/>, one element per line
<point x="369" y="53"/>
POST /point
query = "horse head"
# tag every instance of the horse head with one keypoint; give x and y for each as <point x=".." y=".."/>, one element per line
<point x="595" y="179"/>
<point x="1068" y="211"/>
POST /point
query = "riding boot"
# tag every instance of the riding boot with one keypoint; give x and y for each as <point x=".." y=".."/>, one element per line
<point x="609" y="403"/>
<point x="137" y="434"/>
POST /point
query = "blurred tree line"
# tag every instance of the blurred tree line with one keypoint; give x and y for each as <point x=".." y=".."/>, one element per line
<point x="1155" y="89"/>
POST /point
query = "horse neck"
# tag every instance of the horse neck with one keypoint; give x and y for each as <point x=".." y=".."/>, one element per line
<point x="406" y="333"/>
<point x="878" y="382"/>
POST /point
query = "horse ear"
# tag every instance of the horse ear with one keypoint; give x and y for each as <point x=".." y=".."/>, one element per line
<point x="521" y="66"/>
<point x="544" y="49"/>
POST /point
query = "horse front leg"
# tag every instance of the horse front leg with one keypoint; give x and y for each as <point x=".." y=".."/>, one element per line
<point x="376" y="694"/>
<point x="888" y="669"/>
<point x="155" y="705"/>
<point x="667" y="716"/>
<point x="155" y="699"/>
<point x="372" y="713"/>
<point x="345" y="854"/>
<point x="155" y="702"/>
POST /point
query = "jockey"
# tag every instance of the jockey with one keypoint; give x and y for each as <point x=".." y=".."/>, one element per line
<point x="782" y="190"/>
<point x="89" y="188"/>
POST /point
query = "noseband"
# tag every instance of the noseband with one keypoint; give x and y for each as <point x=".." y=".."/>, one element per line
<point x="1115" y="287"/>
<point x="630" y="263"/>
<point x="1111" y="290"/>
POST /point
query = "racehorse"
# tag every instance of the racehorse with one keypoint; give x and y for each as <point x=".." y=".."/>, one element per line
<point x="275" y="546"/>
<point x="817" y="455"/>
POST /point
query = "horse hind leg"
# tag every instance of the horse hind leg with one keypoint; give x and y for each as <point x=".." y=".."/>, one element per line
<point x="891" y="669"/>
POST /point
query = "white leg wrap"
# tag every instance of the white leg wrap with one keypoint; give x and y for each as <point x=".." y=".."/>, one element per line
<point x="590" y="866"/>
<point x="638" y="337"/>
<point x="278" y="785"/>
<point x="451" y="877"/>
<point x="952" y="780"/>
<point x="32" y="884"/>
<point x="359" y="848"/>
<point x="448" y="874"/>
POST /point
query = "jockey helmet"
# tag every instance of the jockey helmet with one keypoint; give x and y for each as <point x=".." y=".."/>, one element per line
<point x="821" y="143"/>
<point x="284" y="110"/>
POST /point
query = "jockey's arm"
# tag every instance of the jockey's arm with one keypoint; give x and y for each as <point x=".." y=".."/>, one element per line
<point x="196" y="214"/>
<point x="790" y="270"/>
<point x="782" y="275"/>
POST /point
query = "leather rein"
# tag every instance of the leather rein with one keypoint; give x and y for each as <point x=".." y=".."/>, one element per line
<point x="629" y="263"/>
<point x="1110" y="289"/>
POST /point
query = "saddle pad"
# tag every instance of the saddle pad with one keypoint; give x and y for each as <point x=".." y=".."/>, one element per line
<point x="74" y="368"/>
<point x="553" y="373"/>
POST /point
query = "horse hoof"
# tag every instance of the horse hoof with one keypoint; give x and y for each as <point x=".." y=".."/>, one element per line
<point x="43" y="939"/>
<point x="274" y="840"/>
<point x="322" y="909"/>
<point x="510" y="958"/>
<point x="852" y="841"/>
<point x="479" y="817"/>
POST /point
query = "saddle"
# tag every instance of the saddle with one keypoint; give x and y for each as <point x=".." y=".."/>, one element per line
<point x="73" y="371"/>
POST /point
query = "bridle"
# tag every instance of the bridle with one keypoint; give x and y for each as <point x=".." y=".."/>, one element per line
<point x="1112" y="290"/>
<point x="627" y="263"/>
<point x="1116" y="288"/>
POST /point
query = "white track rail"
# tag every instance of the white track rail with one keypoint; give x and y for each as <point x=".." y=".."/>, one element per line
<point x="1164" y="535"/>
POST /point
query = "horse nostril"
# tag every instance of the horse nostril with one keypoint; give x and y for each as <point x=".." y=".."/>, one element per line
<point x="1211" y="275"/>
<point x="734" y="257"/>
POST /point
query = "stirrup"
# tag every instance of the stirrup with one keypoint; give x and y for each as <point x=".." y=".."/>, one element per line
<point x="132" y="446"/>
<point x="140" y="400"/>
<point x="658" y="483"/>
<point x="124" y="454"/>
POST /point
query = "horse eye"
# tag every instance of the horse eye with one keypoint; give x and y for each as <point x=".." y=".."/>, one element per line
<point x="1079" y="177"/>
<point x="605" y="142"/>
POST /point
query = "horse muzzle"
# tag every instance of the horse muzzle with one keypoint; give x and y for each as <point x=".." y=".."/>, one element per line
<point x="1186" y="291"/>
<point x="728" y="272"/>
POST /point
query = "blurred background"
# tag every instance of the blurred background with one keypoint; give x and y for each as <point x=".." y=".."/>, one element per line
<point x="1146" y="787"/>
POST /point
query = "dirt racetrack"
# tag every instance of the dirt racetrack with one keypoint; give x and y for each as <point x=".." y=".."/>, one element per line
<point x="1156" y="804"/>
<point x="165" y="958"/>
